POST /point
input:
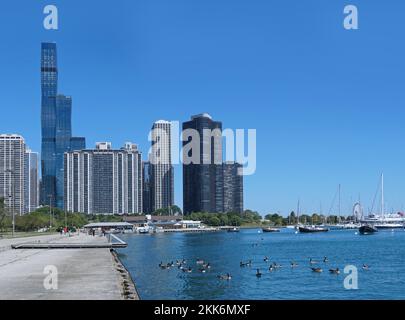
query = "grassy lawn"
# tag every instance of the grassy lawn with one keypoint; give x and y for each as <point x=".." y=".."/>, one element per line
<point x="8" y="235"/>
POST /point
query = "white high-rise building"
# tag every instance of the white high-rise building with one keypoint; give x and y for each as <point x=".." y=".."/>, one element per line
<point x="103" y="180"/>
<point x="162" y="175"/>
<point x="12" y="156"/>
<point x="31" y="185"/>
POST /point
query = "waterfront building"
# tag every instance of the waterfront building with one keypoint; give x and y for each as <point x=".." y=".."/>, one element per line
<point x="31" y="185"/>
<point x="12" y="159"/>
<point x="210" y="185"/>
<point x="147" y="187"/>
<point x="233" y="187"/>
<point x="56" y="129"/>
<point x="202" y="180"/>
<point x="162" y="173"/>
<point x="103" y="180"/>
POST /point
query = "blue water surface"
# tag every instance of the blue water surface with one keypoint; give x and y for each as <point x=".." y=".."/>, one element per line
<point x="384" y="252"/>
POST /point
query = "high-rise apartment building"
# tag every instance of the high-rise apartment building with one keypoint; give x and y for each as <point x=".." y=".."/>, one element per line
<point x="103" y="180"/>
<point x="31" y="185"/>
<point x="162" y="173"/>
<point x="147" y="187"/>
<point x="12" y="160"/>
<point x="209" y="185"/>
<point x="233" y="187"/>
<point x="202" y="178"/>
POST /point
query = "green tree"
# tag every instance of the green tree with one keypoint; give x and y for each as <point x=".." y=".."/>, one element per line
<point x="293" y="218"/>
<point x="3" y="214"/>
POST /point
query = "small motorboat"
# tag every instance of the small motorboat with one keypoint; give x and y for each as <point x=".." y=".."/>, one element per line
<point x="270" y="229"/>
<point x="367" y="229"/>
<point x="234" y="229"/>
<point x="312" y="229"/>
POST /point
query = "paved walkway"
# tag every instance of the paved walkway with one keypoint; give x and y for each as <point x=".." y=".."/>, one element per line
<point x="82" y="273"/>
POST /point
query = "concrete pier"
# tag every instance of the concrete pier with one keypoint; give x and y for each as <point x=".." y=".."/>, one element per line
<point x="82" y="274"/>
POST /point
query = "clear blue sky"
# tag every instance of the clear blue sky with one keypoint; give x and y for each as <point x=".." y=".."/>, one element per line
<point x="328" y="104"/>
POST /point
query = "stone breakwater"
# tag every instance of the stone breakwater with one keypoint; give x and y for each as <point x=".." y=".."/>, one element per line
<point x="128" y="289"/>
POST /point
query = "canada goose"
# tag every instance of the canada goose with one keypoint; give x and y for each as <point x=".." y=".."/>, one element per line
<point x="334" y="271"/>
<point x="294" y="264"/>
<point x="318" y="270"/>
<point x="366" y="267"/>
<point x="200" y="261"/>
<point x="266" y="259"/>
<point x="258" y="273"/>
<point x="224" y="277"/>
<point x="325" y="259"/>
<point x="311" y="261"/>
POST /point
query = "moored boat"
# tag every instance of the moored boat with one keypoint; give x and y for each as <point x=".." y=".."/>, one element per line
<point x="270" y="229"/>
<point x="234" y="229"/>
<point x="367" y="229"/>
<point x="389" y="226"/>
<point x="312" y="229"/>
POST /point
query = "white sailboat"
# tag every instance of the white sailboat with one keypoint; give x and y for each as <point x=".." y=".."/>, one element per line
<point x="383" y="221"/>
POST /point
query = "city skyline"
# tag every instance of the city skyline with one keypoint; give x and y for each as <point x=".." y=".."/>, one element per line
<point x="334" y="117"/>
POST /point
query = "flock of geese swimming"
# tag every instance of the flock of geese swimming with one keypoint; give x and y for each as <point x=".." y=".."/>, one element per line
<point x="274" y="266"/>
<point x="205" y="266"/>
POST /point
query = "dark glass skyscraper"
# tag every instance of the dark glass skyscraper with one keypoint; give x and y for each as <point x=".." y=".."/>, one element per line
<point x="202" y="181"/>
<point x="56" y="128"/>
<point x="209" y="185"/>
<point x="49" y="88"/>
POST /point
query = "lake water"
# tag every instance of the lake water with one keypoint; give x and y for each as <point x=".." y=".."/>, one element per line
<point x="384" y="252"/>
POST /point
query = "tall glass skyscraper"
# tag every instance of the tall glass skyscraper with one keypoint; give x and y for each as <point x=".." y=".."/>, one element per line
<point x="49" y="89"/>
<point x="209" y="185"/>
<point x="203" y="181"/>
<point x="56" y="124"/>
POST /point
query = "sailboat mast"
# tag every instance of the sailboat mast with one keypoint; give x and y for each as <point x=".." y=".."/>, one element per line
<point x="382" y="195"/>
<point x="298" y="212"/>
<point x="339" y="202"/>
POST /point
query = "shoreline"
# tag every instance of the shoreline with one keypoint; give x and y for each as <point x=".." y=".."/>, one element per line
<point x="127" y="284"/>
